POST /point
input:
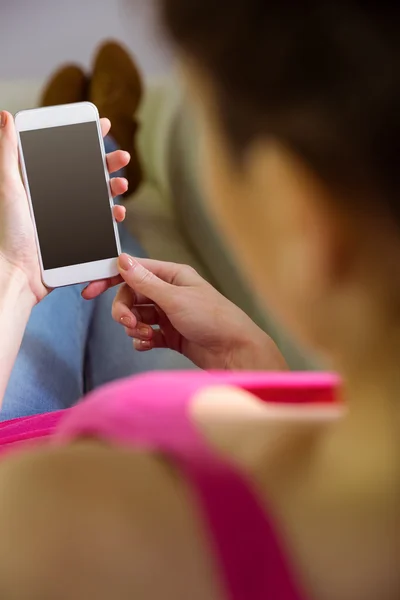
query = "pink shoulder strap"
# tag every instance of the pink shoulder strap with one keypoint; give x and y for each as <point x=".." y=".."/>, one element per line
<point x="152" y="412"/>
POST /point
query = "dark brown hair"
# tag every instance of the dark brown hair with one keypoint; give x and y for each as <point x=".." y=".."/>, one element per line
<point x="322" y="76"/>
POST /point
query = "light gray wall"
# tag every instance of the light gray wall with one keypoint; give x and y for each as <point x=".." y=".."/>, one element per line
<point x="38" y="35"/>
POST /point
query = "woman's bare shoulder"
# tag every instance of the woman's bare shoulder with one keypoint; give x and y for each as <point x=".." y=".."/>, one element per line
<point x="107" y="522"/>
<point x="248" y="430"/>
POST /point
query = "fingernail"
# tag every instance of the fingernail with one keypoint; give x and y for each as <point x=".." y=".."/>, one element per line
<point x="126" y="322"/>
<point x="142" y="345"/>
<point x="145" y="331"/>
<point x="125" y="262"/>
<point x="3" y="119"/>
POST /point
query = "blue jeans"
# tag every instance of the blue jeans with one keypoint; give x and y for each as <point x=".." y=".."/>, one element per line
<point x="72" y="346"/>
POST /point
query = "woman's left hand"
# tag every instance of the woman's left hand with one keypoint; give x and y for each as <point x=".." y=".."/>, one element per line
<point x="18" y="251"/>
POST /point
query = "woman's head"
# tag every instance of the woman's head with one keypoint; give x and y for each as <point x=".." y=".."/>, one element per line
<point x="300" y="109"/>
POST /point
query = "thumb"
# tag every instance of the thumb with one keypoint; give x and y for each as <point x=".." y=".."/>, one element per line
<point x="8" y="146"/>
<point x="145" y="282"/>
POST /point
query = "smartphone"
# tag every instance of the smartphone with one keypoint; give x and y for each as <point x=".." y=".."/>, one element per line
<point x="63" y="164"/>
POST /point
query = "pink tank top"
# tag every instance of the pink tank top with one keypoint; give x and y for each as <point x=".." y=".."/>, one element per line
<point x="151" y="412"/>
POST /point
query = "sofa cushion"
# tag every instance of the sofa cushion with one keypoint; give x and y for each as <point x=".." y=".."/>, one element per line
<point x="19" y="94"/>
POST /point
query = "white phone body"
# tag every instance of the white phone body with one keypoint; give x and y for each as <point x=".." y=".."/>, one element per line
<point x="39" y="128"/>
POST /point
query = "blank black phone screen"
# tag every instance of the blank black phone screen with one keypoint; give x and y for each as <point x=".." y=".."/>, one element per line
<point x="69" y="194"/>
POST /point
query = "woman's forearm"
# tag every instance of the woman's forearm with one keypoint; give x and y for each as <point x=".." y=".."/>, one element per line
<point x="16" y="303"/>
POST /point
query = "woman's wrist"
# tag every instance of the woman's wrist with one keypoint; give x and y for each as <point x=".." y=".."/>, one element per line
<point x="16" y="303"/>
<point x="15" y="292"/>
<point x="258" y="353"/>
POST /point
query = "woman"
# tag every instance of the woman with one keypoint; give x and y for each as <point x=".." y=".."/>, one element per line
<point x="189" y="486"/>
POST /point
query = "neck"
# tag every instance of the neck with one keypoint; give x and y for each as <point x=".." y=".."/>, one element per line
<point x="369" y="435"/>
<point x="372" y="381"/>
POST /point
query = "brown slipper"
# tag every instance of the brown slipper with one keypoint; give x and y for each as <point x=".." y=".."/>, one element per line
<point x="116" y="89"/>
<point x="69" y="84"/>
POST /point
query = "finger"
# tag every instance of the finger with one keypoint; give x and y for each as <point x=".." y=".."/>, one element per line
<point x="157" y="341"/>
<point x="144" y="282"/>
<point x="119" y="186"/>
<point x="105" y="126"/>
<point x="117" y="160"/>
<point x="146" y="314"/>
<point x="173" y="273"/>
<point x="9" y="165"/>
<point x="129" y="297"/>
<point x="96" y="288"/>
<point x="119" y="213"/>
<point x="143" y="345"/>
<point x="121" y="308"/>
<point x="141" y="332"/>
<point x="123" y="303"/>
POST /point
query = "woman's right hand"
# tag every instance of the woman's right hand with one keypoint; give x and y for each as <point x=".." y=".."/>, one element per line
<point x="18" y="250"/>
<point x="192" y="318"/>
